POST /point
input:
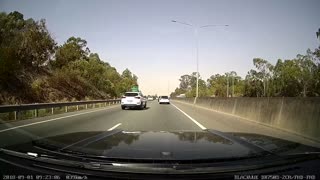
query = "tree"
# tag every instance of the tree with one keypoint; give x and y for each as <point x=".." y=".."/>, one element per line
<point x="253" y="85"/>
<point x="177" y="92"/>
<point x="287" y="80"/>
<point x="128" y="80"/>
<point x="185" y="82"/>
<point x="307" y="72"/>
<point x="34" y="69"/>
<point x="217" y="85"/>
<point x="72" y="50"/>
<point x="316" y="55"/>
<point x="265" y="69"/>
<point x="26" y="47"/>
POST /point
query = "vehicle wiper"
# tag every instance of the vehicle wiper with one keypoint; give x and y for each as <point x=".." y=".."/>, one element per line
<point x="304" y="153"/>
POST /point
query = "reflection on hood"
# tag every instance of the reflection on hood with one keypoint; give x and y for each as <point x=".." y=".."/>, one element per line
<point x="163" y="145"/>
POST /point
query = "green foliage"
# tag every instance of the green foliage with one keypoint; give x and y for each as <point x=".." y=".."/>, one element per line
<point x="72" y="50"/>
<point x="25" y="48"/>
<point x="188" y="84"/>
<point x="34" y="69"/>
<point x="229" y="83"/>
<point x="127" y="81"/>
<point x="296" y="77"/>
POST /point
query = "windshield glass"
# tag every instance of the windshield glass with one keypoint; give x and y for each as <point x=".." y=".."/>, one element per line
<point x="160" y="87"/>
<point x="131" y="94"/>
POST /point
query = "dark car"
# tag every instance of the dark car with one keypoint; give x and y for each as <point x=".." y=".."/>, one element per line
<point x="207" y="154"/>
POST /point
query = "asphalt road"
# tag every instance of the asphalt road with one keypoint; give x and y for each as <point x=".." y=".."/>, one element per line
<point x="174" y="117"/>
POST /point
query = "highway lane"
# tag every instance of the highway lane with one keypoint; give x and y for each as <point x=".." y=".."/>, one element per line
<point x="155" y="118"/>
<point x="173" y="117"/>
<point x="228" y="123"/>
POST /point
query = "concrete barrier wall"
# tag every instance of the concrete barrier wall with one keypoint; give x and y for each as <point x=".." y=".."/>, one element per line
<point x="298" y="115"/>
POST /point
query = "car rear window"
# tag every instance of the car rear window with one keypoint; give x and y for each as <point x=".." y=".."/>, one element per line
<point x="164" y="97"/>
<point x="131" y="94"/>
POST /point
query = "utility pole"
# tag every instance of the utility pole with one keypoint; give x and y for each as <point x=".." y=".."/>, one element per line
<point x="227" y="85"/>
<point x="232" y="86"/>
<point x="195" y="31"/>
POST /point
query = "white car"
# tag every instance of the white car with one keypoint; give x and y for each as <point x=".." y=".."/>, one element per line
<point x="133" y="99"/>
<point x="150" y="98"/>
<point x="164" y="100"/>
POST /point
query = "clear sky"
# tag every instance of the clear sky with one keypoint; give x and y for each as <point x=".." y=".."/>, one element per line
<point x="139" y="34"/>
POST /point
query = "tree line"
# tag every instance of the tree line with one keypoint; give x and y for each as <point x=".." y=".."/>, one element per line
<point x="298" y="77"/>
<point x="34" y="68"/>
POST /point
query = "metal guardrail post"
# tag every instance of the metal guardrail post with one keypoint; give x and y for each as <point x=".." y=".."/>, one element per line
<point x="86" y="106"/>
<point x="77" y="107"/>
<point x="66" y="107"/>
<point x="15" y="115"/>
<point x="36" y="113"/>
<point x="52" y="110"/>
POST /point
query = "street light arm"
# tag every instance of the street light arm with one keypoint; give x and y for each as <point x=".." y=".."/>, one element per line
<point x="213" y="25"/>
<point x="174" y="21"/>
<point x="195" y="28"/>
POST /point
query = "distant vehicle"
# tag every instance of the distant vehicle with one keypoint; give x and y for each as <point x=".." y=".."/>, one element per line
<point x="164" y="100"/>
<point x="133" y="100"/>
<point x="150" y="98"/>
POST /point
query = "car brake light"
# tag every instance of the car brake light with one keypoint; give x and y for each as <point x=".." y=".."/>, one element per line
<point x="137" y="97"/>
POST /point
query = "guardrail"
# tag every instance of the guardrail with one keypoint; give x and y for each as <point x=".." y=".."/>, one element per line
<point x="25" y="107"/>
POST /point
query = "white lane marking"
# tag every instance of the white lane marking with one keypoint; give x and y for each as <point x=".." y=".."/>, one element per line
<point x="114" y="127"/>
<point x="16" y="127"/>
<point x="196" y="122"/>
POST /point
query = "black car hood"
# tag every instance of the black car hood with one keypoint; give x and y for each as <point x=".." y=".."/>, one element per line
<point x="163" y="145"/>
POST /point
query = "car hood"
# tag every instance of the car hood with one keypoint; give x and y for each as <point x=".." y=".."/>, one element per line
<point x="163" y="145"/>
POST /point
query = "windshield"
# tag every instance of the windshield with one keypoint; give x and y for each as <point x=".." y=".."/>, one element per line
<point x="164" y="86"/>
<point x="131" y="94"/>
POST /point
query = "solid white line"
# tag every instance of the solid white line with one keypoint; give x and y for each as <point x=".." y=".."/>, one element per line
<point x="16" y="127"/>
<point x="196" y="122"/>
<point x="114" y="127"/>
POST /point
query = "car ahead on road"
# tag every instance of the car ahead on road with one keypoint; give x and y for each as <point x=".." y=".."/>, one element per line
<point x="150" y="98"/>
<point x="204" y="154"/>
<point x="164" y="100"/>
<point x="133" y="100"/>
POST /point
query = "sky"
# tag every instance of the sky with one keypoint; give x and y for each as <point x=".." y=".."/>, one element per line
<point x="141" y="36"/>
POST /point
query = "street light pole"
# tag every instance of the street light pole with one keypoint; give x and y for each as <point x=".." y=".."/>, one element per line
<point x="232" y="86"/>
<point x="227" y="85"/>
<point x="195" y="30"/>
<point x="197" y="59"/>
